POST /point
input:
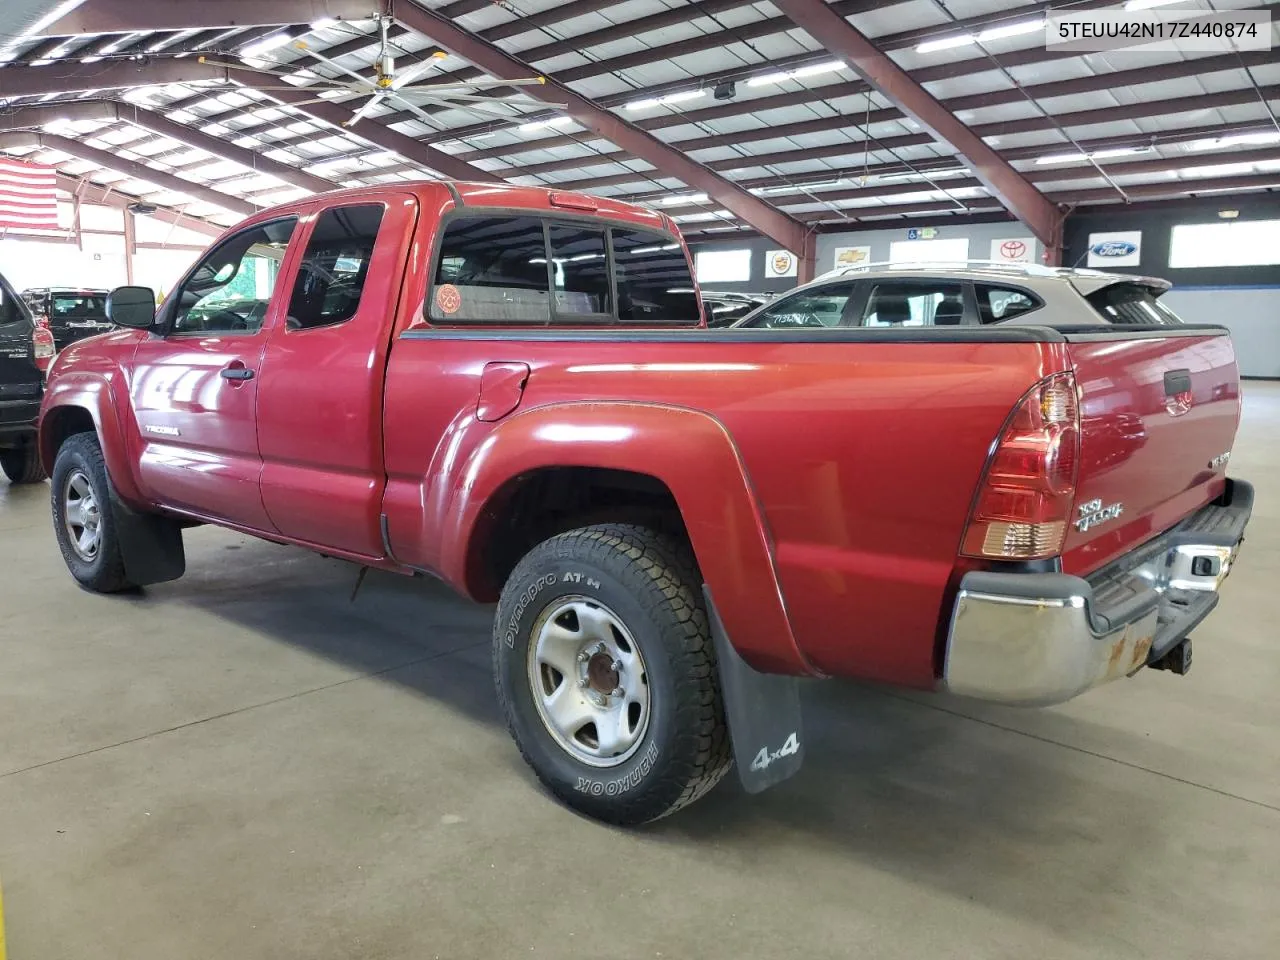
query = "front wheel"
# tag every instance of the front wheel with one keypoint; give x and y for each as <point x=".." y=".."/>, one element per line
<point x="606" y="671"/>
<point x="82" y="516"/>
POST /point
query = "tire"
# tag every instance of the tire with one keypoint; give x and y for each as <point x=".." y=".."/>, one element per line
<point x="80" y="475"/>
<point x="22" y="464"/>
<point x="646" y="589"/>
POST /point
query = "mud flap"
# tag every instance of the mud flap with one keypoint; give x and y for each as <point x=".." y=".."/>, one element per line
<point x="151" y="545"/>
<point x="763" y="711"/>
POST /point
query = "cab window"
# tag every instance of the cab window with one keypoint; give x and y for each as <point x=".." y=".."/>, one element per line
<point x="229" y="291"/>
<point x="823" y="307"/>
<point x="334" y="266"/>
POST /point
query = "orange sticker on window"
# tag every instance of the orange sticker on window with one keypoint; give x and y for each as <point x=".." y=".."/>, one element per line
<point x="448" y="299"/>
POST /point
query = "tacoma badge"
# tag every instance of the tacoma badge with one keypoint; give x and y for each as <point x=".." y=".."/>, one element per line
<point x="1094" y="513"/>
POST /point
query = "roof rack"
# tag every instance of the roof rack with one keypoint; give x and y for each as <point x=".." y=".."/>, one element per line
<point x="1035" y="269"/>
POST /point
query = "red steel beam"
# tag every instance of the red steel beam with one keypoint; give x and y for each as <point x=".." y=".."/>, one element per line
<point x="1016" y="193"/>
<point x="781" y="228"/>
<point x="128" y="16"/>
<point x="63" y="77"/>
<point x="130" y="168"/>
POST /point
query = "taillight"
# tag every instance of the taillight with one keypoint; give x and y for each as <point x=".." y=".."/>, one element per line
<point x="45" y="349"/>
<point x="1024" y="503"/>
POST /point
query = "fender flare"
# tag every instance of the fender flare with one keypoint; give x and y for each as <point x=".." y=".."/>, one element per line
<point x="91" y="394"/>
<point x="691" y="453"/>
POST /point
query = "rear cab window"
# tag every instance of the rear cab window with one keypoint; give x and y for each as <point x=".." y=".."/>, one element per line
<point x="1132" y="303"/>
<point x="77" y="305"/>
<point x="531" y="269"/>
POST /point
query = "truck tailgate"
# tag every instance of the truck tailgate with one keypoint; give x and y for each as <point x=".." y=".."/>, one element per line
<point x="1159" y="411"/>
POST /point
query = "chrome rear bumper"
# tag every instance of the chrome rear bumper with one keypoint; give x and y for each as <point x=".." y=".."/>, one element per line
<point x="1041" y="638"/>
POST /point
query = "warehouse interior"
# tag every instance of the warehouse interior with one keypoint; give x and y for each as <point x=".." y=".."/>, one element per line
<point x="259" y="761"/>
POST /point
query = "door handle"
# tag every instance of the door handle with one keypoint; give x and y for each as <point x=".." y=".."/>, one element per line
<point x="237" y="373"/>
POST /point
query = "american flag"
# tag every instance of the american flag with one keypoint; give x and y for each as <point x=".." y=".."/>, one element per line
<point x="28" y="195"/>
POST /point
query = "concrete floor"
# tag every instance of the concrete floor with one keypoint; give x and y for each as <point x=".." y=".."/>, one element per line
<point x="245" y="764"/>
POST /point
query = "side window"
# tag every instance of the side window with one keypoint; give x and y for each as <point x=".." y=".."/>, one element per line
<point x="580" y="269"/>
<point x="1002" y="303"/>
<point x="491" y="269"/>
<point x="921" y="303"/>
<point x="655" y="285"/>
<point x="334" y="266"/>
<point x="232" y="286"/>
<point x="823" y="307"/>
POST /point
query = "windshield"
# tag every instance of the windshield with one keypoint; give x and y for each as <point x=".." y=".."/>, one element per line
<point x="1132" y="303"/>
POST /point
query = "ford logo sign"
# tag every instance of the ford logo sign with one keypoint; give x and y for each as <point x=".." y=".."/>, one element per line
<point x="1113" y="248"/>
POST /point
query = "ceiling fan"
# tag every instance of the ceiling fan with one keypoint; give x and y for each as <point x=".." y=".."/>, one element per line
<point x="394" y="89"/>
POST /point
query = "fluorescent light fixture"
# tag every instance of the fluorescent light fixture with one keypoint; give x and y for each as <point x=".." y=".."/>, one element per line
<point x="1238" y="139"/>
<point x="683" y="198"/>
<point x="1217" y="170"/>
<point x="324" y="23"/>
<point x="540" y="124"/>
<point x="586" y="256"/>
<point x="946" y="43"/>
<point x="680" y="97"/>
<point x="1094" y="155"/>
<point x="1011" y="30"/>
<point x="273" y="42"/>
<point x="656" y="248"/>
<point x="827" y="66"/>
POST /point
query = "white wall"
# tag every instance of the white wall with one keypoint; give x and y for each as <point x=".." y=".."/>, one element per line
<point x="979" y="235"/>
<point x="1252" y="314"/>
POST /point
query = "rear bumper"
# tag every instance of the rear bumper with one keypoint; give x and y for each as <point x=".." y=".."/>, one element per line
<point x="18" y="419"/>
<point x="1041" y="638"/>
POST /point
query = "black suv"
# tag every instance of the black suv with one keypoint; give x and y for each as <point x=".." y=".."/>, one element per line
<point x="21" y="386"/>
<point x="70" y="313"/>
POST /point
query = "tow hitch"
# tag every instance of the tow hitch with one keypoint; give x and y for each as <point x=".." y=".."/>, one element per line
<point x="1177" y="660"/>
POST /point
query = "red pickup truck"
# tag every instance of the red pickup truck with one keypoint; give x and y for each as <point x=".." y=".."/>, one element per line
<point x="512" y="389"/>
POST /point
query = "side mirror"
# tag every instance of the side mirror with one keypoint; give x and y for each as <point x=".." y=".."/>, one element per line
<point x="132" y="307"/>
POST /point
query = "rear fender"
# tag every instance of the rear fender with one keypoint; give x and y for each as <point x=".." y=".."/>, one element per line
<point x="691" y="453"/>
<point x="89" y="393"/>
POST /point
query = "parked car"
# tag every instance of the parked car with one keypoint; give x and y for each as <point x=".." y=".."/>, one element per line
<point x="70" y="313"/>
<point x="25" y="349"/>
<point x="675" y="522"/>
<point x="969" y="293"/>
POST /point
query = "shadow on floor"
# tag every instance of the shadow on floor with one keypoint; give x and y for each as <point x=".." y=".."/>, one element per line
<point x="926" y="795"/>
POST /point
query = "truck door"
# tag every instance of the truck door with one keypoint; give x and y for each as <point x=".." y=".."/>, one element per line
<point x="194" y="389"/>
<point x="320" y="395"/>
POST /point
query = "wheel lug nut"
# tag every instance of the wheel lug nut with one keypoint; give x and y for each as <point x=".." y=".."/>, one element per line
<point x="616" y="666"/>
<point x="583" y="682"/>
<point x="619" y="692"/>
<point x="583" y="657"/>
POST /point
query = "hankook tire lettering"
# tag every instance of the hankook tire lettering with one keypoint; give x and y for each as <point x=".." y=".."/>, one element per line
<point x="611" y="788"/>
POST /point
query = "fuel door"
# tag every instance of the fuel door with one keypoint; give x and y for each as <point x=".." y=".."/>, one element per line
<point x="501" y="387"/>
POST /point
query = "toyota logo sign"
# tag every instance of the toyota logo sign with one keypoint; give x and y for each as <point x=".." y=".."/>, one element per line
<point x="1013" y="249"/>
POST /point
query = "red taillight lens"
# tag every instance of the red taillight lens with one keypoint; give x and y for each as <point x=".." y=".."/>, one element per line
<point x="1027" y="490"/>
<point x="45" y="349"/>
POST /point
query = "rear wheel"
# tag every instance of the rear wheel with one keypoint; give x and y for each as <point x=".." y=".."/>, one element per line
<point x="606" y="671"/>
<point x="82" y="516"/>
<point x="22" y="464"/>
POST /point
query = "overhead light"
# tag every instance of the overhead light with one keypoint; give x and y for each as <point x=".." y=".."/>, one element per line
<point x="1094" y="155"/>
<point x="324" y="23"/>
<point x="946" y="43"/>
<point x="655" y="249"/>
<point x="1011" y="30"/>
<point x="273" y="42"/>
<point x="680" y="97"/>
<point x="1217" y="170"/>
<point x="827" y="66"/>
<point x="1235" y="140"/>
<point x="1148" y="4"/>
<point x="586" y="256"/>
<point x="683" y="198"/>
<point x="1228" y="214"/>
<point x="539" y="124"/>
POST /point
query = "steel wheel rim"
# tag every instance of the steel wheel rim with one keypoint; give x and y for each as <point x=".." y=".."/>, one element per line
<point x="81" y="516"/>
<point x="589" y="682"/>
